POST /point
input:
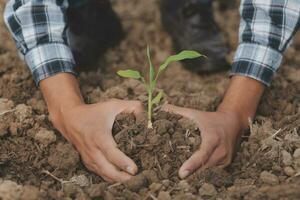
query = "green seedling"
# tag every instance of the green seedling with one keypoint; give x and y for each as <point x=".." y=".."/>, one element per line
<point x="153" y="77"/>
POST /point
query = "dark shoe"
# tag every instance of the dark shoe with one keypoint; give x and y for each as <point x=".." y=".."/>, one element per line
<point x="93" y="28"/>
<point x="192" y="27"/>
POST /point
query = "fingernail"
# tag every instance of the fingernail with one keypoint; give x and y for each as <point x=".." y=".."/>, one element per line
<point x="129" y="170"/>
<point x="185" y="173"/>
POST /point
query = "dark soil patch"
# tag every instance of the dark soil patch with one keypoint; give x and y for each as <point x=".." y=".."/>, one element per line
<point x="162" y="149"/>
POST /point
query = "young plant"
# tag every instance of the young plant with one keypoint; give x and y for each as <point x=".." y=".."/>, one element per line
<point x="153" y="77"/>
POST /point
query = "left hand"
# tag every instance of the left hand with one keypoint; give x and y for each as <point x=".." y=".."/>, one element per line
<point x="220" y="132"/>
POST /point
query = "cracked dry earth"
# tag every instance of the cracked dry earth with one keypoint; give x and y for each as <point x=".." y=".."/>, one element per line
<point x="36" y="162"/>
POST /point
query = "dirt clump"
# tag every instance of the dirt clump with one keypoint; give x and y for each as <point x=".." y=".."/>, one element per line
<point x="45" y="137"/>
<point x="208" y="190"/>
<point x="30" y="193"/>
<point x="163" y="148"/>
<point x="5" y="105"/>
<point x="63" y="156"/>
<point x="10" y="190"/>
<point x="269" y="178"/>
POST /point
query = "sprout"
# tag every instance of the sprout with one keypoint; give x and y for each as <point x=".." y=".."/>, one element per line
<point x="153" y="77"/>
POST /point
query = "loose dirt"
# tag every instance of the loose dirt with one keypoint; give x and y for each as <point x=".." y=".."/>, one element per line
<point x="36" y="162"/>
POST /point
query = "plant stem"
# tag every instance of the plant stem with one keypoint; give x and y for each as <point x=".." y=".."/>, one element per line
<point x="150" y="109"/>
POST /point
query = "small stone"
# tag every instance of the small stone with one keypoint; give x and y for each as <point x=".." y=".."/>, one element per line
<point x="286" y="158"/>
<point x="289" y="171"/>
<point x="108" y="196"/>
<point x="45" y="136"/>
<point x="80" y="180"/>
<point x="64" y="157"/>
<point x="70" y="189"/>
<point x="151" y="176"/>
<point x="154" y="187"/>
<point x="187" y="124"/>
<point x="297" y="159"/>
<point x="207" y="190"/>
<point x="30" y="193"/>
<point x="184" y="185"/>
<point x="163" y="195"/>
<point x="188" y="196"/>
<point x="288" y="109"/>
<point x="163" y="126"/>
<point x="23" y="112"/>
<point x="97" y="190"/>
<point x="292" y="137"/>
<point x="13" y="128"/>
<point x="10" y="190"/>
<point x="166" y="183"/>
<point x="297" y="153"/>
<point x="192" y="140"/>
<point x="269" y="178"/>
<point x="216" y="176"/>
<point x="5" y="105"/>
<point x="136" y="182"/>
<point x="3" y="129"/>
<point x="38" y="105"/>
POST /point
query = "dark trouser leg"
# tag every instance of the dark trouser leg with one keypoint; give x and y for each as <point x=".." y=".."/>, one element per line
<point x="93" y="28"/>
<point x="192" y="27"/>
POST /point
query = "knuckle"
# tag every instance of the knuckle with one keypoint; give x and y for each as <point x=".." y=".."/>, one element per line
<point x="198" y="158"/>
<point x="53" y="119"/>
<point x="139" y="104"/>
<point x="102" y="174"/>
<point x="76" y="127"/>
<point x="217" y="135"/>
<point x="90" y="167"/>
<point x="88" y="164"/>
<point x="215" y="138"/>
<point x="106" y="149"/>
<point x="227" y="162"/>
<point x="223" y="153"/>
<point x="106" y="175"/>
<point x="113" y="100"/>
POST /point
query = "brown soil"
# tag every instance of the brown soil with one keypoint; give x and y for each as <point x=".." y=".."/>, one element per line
<point x="267" y="165"/>
<point x="162" y="149"/>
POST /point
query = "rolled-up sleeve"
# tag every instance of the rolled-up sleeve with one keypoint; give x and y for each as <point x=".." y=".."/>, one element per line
<point x="39" y="29"/>
<point x="266" y="30"/>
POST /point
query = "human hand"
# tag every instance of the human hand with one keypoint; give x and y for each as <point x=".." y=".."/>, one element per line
<point x="220" y="132"/>
<point x="88" y="127"/>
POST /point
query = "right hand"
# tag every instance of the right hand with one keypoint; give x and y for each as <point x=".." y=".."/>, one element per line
<point x="89" y="128"/>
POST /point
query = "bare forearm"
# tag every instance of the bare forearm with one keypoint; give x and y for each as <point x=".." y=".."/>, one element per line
<point x="61" y="92"/>
<point x="242" y="98"/>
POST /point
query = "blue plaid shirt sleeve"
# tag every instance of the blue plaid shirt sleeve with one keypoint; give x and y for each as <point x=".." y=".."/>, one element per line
<point x="39" y="29"/>
<point x="266" y="29"/>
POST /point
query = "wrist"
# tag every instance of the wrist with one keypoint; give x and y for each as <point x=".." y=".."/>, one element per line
<point x="242" y="98"/>
<point x="61" y="93"/>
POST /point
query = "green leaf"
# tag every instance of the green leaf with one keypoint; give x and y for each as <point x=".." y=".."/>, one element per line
<point x="158" y="97"/>
<point x="178" y="57"/>
<point x="151" y="69"/>
<point x="129" y="74"/>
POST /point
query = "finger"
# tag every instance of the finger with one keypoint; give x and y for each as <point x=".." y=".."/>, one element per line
<point x="218" y="158"/>
<point x="200" y="157"/>
<point x="186" y="112"/>
<point x="117" y="157"/>
<point x="135" y="107"/>
<point x="91" y="165"/>
<point x="107" y="170"/>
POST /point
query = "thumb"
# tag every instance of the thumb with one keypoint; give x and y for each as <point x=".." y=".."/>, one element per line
<point x="186" y="112"/>
<point x="129" y="106"/>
